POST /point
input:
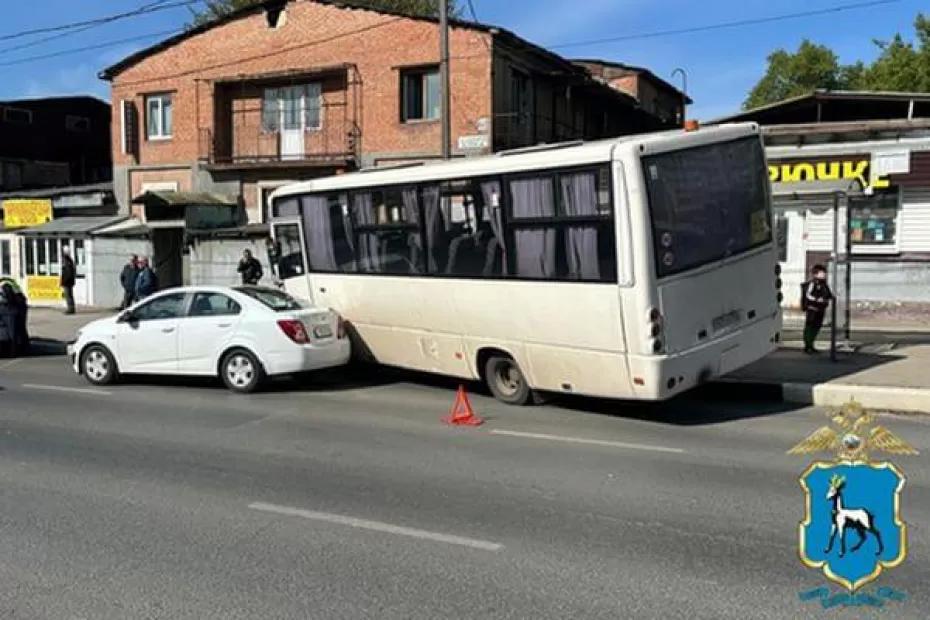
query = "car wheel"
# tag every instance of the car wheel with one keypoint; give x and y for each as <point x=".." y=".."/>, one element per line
<point x="98" y="365"/>
<point x="241" y="371"/>
<point x="506" y="381"/>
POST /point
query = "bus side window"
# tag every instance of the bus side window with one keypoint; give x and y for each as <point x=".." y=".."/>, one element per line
<point x="470" y="242"/>
<point x="290" y="254"/>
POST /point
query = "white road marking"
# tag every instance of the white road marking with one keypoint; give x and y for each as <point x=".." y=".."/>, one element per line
<point x="593" y="442"/>
<point x="60" y="388"/>
<point x="377" y="526"/>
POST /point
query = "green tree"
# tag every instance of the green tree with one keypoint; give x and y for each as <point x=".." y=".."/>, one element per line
<point x="900" y="66"/>
<point x="214" y="9"/>
<point x="791" y="74"/>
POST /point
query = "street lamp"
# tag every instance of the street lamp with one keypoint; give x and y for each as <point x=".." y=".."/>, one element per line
<point x="684" y="90"/>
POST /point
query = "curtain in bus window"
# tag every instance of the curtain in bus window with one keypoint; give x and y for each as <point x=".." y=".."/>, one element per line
<point x="535" y="247"/>
<point x="412" y="211"/>
<point x="497" y="249"/>
<point x="435" y="229"/>
<point x="369" y="258"/>
<point x="318" y="229"/>
<point x="579" y="198"/>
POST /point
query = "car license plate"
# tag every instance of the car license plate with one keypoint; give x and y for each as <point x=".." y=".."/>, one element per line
<point x="725" y="321"/>
<point x="322" y="331"/>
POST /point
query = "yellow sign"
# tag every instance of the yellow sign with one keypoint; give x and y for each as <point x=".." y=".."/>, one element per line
<point x="805" y="172"/>
<point x="22" y="213"/>
<point x="43" y="288"/>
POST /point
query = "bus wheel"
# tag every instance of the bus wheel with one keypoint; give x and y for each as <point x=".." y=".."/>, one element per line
<point x="506" y="381"/>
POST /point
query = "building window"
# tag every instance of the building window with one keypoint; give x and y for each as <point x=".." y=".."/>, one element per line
<point x="873" y="220"/>
<point x="158" y="116"/>
<point x="419" y="94"/>
<point x="521" y="92"/>
<point x="17" y="116"/>
<point x="77" y="124"/>
<point x="292" y="107"/>
<point x="6" y="259"/>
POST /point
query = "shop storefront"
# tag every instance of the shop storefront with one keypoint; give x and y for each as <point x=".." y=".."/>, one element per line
<point x="887" y="223"/>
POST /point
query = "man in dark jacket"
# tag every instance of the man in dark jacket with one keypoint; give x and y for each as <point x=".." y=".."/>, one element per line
<point x="250" y="268"/>
<point x="127" y="279"/>
<point x="816" y="300"/>
<point x="68" y="278"/>
<point x="146" y="281"/>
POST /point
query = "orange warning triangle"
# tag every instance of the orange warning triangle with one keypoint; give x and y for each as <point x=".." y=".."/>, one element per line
<point x="462" y="414"/>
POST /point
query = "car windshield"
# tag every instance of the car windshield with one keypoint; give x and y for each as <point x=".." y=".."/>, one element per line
<point x="278" y="301"/>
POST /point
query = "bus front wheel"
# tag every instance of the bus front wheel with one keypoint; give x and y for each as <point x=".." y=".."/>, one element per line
<point x="506" y="381"/>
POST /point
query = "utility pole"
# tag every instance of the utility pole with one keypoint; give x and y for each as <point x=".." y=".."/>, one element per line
<point x="444" y="99"/>
<point x="684" y="92"/>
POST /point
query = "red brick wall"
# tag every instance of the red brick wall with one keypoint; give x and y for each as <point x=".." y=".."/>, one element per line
<point x="312" y="35"/>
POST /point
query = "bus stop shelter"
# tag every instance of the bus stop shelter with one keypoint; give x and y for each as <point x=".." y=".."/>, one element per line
<point x="819" y="197"/>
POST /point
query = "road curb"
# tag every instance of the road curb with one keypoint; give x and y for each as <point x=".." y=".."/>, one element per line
<point x="903" y="399"/>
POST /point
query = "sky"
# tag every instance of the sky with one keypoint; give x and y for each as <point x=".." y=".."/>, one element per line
<point x="721" y="65"/>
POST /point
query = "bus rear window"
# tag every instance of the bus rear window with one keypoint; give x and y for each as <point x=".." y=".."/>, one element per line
<point x="707" y="203"/>
<point x="278" y="301"/>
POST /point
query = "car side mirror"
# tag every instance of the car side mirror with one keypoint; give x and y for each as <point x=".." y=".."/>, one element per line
<point x="125" y="317"/>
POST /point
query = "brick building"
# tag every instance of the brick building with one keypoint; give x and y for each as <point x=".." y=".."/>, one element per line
<point x="653" y="94"/>
<point x="291" y="89"/>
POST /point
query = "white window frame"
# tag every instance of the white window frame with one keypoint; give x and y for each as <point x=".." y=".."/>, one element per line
<point x="884" y="248"/>
<point x="261" y="188"/>
<point x="309" y="91"/>
<point x="160" y="133"/>
<point x="6" y="266"/>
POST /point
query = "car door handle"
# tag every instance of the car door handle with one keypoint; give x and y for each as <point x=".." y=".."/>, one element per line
<point x="224" y="325"/>
<point x="167" y="330"/>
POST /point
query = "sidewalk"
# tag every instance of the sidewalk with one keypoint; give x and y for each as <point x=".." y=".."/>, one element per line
<point x="51" y="327"/>
<point x="889" y="376"/>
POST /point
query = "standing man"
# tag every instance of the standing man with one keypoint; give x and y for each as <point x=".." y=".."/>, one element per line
<point x="68" y="278"/>
<point x="815" y="300"/>
<point x="146" y="280"/>
<point x="250" y="268"/>
<point x="127" y="279"/>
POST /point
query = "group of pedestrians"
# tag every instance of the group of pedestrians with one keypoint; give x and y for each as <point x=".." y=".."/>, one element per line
<point x="138" y="280"/>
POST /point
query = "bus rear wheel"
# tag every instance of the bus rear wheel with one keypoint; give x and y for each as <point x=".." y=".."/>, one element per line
<point x="506" y="381"/>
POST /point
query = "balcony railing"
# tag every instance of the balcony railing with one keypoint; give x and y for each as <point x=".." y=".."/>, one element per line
<point x="251" y="136"/>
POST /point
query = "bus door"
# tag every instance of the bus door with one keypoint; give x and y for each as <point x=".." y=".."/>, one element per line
<point x="289" y="258"/>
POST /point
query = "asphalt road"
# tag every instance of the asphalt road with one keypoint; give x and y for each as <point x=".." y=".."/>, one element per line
<point x="330" y="498"/>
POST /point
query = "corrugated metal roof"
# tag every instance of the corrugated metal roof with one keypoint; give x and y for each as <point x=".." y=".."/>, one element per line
<point x="183" y="199"/>
<point x="72" y="225"/>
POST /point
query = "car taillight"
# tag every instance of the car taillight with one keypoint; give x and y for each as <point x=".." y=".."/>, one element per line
<point x="294" y="330"/>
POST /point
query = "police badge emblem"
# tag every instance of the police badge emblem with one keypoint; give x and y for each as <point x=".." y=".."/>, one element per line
<point x="852" y="529"/>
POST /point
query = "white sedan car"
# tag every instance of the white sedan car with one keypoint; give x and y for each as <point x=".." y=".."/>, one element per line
<point x="241" y="334"/>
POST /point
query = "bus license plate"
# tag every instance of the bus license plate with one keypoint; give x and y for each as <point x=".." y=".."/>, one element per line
<point x="725" y="321"/>
<point x="322" y="331"/>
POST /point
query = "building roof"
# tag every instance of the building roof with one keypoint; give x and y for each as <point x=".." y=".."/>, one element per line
<point x="72" y="225"/>
<point x="634" y="69"/>
<point x="54" y="192"/>
<point x="836" y="105"/>
<point x="183" y="199"/>
<point x="112" y="71"/>
<point x="26" y="101"/>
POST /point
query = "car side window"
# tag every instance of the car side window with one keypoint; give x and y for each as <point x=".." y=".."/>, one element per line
<point x="164" y="307"/>
<point x="213" y="304"/>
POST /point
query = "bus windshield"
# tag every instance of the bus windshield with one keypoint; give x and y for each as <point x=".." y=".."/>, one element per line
<point x="707" y="203"/>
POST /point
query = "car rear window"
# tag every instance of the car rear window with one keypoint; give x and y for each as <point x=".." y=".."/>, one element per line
<point x="278" y="301"/>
